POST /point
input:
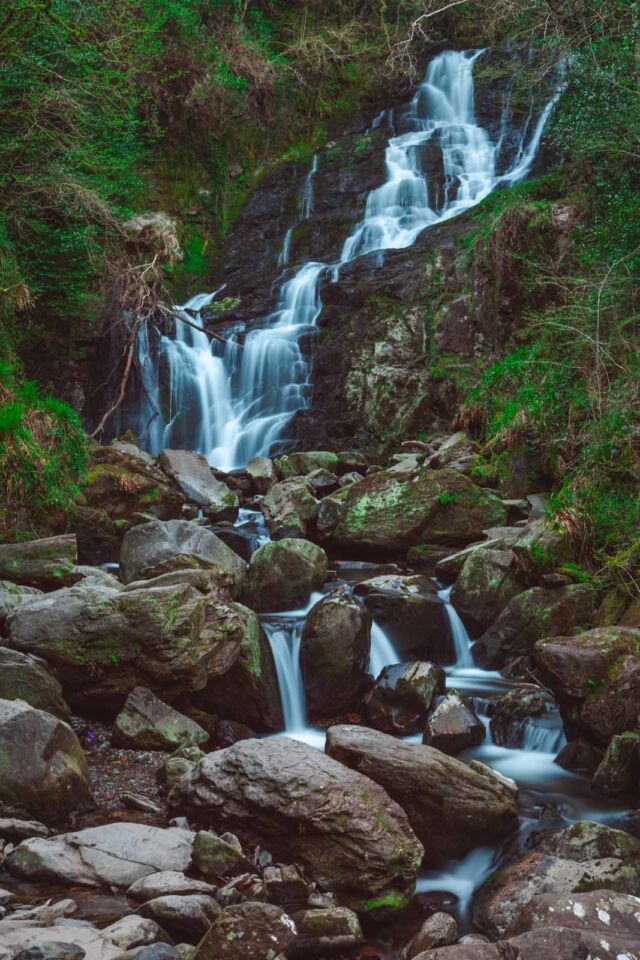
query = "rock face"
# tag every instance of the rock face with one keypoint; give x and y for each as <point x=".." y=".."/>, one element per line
<point x="350" y="836"/>
<point x="401" y="699"/>
<point x="282" y="574"/>
<point x="290" y="509"/>
<point x="453" y="726"/>
<point x="116" y="855"/>
<point x="24" y="678"/>
<point x="155" y="548"/>
<point x="536" y="613"/>
<point x="101" y="643"/>
<point x="334" y="653"/>
<point x="596" y="678"/>
<point x="146" y="723"/>
<point x="451" y="807"/>
<point x="40" y="563"/>
<point x="194" y="477"/>
<point x="257" y="930"/>
<point x="410" y="612"/>
<point x="42" y="764"/>
<point x="585" y="856"/>
<point x="485" y="585"/>
<point x="387" y="513"/>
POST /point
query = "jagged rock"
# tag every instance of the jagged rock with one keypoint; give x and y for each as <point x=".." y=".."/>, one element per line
<point x="24" y="678"/>
<point x="334" y="653"/>
<point x="451" y="807"/>
<point x="12" y="595"/>
<point x="263" y="473"/>
<point x="596" y="678"/>
<point x="43" y="766"/>
<point x="509" y="712"/>
<point x="529" y="616"/>
<point x="400" y="701"/>
<point x="101" y="643"/>
<point x="453" y="726"/>
<point x="146" y="723"/>
<point x="485" y="585"/>
<point x="585" y="856"/>
<point x="387" y="514"/>
<point x="184" y="917"/>
<point x="215" y="857"/>
<point x="116" y="854"/>
<point x="256" y="930"/>
<point x="155" y="548"/>
<point x="438" y="930"/>
<point x="193" y="475"/>
<point x="282" y="574"/>
<point x="290" y="509"/>
<point x="322" y="932"/>
<point x="45" y="564"/>
<point x="343" y="828"/>
<point x="410" y="612"/>
<point x="619" y="769"/>
<point x="299" y="464"/>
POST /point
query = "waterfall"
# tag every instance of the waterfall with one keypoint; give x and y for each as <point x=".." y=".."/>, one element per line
<point x="459" y="635"/>
<point x="383" y="653"/>
<point x="284" y="638"/>
<point x="233" y="400"/>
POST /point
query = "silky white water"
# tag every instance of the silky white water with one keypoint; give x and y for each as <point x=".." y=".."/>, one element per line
<point x="459" y="635"/>
<point x="234" y="400"/>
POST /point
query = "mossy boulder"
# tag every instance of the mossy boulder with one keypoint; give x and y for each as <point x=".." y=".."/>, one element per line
<point x="402" y="696"/>
<point x="25" y="678"/>
<point x="387" y="513"/>
<point x="214" y="857"/>
<point x="147" y="723"/>
<point x="485" y="585"/>
<point x="283" y="573"/>
<point x="290" y="509"/>
<point x="299" y="464"/>
<point x="45" y="564"/>
<point x="619" y="770"/>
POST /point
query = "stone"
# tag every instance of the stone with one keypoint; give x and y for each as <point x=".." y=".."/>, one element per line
<point x="45" y="563"/>
<point x="151" y="549"/>
<point x="257" y="930"/>
<point x="348" y="478"/>
<point x="451" y="807"/>
<point x="12" y="595"/>
<point x="509" y="713"/>
<point x="352" y="461"/>
<point x="102" y="643"/>
<point x="322" y="482"/>
<point x="454" y="726"/>
<point x="334" y="653"/>
<point x="585" y="856"/>
<point x="15" y="830"/>
<point x="322" y="932"/>
<point x="411" y="614"/>
<point x="52" y="950"/>
<point x="132" y="449"/>
<point x="290" y="509"/>
<point x="173" y="770"/>
<point x="24" y="678"/>
<point x="298" y="464"/>
<point x="580" y="756"/>
<point x="167" y="883"/>
<point x="283" y="573"/>
<point x="146" y="723"/>
<point x="286" y="886"/>
<point x="134" y="931"/>
<point x="619" y="769"/>
<point x="263" y="474"/>
<point x="600" y="911"/>
<point x="195" y="478"/>
<point x="42" y="763"/>
<point x="387" y="513"/>
<point x="530" y="616"/>
<point x="541" y="545"/>
<point x="116" y="854"/>
<point x="184" y="917"/>
<point x="215" y="857"/>
<point x="438" y="930"/>
<point x="485" y="585"/>
<point x="402" y="696"/>
<point x="229" y="732"/>
<point x="307" y="808"/>
<point x="6" y="897"/>
<point x="158" y="951"/>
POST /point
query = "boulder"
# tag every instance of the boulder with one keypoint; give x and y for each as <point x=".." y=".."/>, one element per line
<point x="24" y="678"/>
<point x="352" y="461"/>
<point x="45" y="564"/>
<point x="257" y="930"/>
<point x="12" y="595"/>
<point x="403" y="694"/>
<point x="530" y="616"/>
<point x="116" y="854"/>
<point x="185" y="917"/>
<point x="146" y="723"/>
<point x="101" y="643"/>
<point x="453" y="726"/>
<point x="485" y="585"/>
<point x="541" y="545"/>
<point x="286" y="886"/>
<point x="283" y="574"/>
<point x="451" y="807"/>
<point x="596" y="678"/>
<point x="194" y="477"/>
<point x="509" y="713"/>
<point x="290" y="509"/>
<point x="134" y="931"/>
<point x="322" y="482"/>
<point x="585" y="856"/>
<point x="334" y="653"/>
<point x="599" y="911"/>
<point x="619" y="769"/>
<point x="457" y="451"/>
<point x="155" y="548"/>
<point x="322" y="932"/>
<point x="438" y="930"/>
<point x="304" y="806"/>
<point x="215" y="857"/>
<point x="299" y="464"/>
<point x="411" y="614"/>
<point x="167" y="883"/>
<point x="263" y="474"/>
<point x="580" y="756"/>
<point x="16" y="830"/>
<point x="42" y="765"/>
<point x="387" y="513"/>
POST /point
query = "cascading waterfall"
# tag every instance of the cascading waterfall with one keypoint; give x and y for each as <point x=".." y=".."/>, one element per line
<point x="233" y="400"/>
<point x="459" y="635"/>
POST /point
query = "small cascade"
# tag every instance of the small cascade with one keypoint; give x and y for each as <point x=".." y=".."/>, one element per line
<point x="459" y="635"/>
<point x="540" y="738"/>
<point x="307" y="197"/>
<point x="383" y="653"/>
<point x="284" y="637"/>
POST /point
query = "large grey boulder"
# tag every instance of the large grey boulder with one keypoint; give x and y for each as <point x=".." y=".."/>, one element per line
<point x="485" y="585"/>
<point x="147" y="723"/>
<point x="283" y="574"/>
<point x="193" y="475"/>
<point x="101" y="643"/>
<point x="451" y="807"/>
<point x="334" y="653"/>
<point x="290" y="509"/>
<point x="454" y="726"/>
<point x="116" y="854"/>
<point x="160" y="547"/>
<point x="23" y="677"/>
<point x="44" y="563"/>
<point x="305" y="807"/>
<point x="185" y="917"/>
<point x="402" y="696"/>
<point x="412" y="615"/>
<point x="42" y="766"/>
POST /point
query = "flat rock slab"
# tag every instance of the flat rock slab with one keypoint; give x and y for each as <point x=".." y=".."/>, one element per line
<point x="146" y="723"/>
<point x="193" y="475"/>
<point x="45" y="563"/>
